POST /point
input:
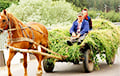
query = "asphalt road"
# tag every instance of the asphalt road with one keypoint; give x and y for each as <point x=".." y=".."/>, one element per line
<point x="66" y="69"/>
<point x="116" y="23"/>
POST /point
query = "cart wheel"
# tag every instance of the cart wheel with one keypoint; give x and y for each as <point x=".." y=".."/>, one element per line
<point x="110" y="60"/>
<point x="48" y="65"/>
<point x="88" y="61"/>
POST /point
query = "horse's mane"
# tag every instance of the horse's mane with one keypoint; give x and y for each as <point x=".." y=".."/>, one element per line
<point x="14" y="19"/>
<point x="15" y="23"/>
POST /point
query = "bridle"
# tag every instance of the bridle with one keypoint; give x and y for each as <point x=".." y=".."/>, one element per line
<point x="6" y="25"/>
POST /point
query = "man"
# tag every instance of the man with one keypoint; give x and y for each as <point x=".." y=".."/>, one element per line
<point x="86" y="17"/>
<point x="78" y="30"/>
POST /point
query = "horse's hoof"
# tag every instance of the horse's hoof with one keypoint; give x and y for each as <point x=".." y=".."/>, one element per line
<point x="39" y="73"/>
<point x="9" y="74"/>
<point x="25" y="75"/>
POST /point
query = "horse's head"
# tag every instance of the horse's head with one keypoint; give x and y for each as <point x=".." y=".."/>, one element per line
<point x="3" y="21"/>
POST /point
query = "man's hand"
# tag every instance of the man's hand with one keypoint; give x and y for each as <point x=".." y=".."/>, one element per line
<point x="73" y="34"/>
<point x="78" y="36"/>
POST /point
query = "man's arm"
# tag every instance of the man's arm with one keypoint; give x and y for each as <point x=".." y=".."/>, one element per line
<point x="85" y="28"/>
<point x="90" y="23"/>
<point x="72" y="28"/>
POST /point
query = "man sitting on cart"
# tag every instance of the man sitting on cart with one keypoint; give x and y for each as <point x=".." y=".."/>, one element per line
<point x="79" y="30"/>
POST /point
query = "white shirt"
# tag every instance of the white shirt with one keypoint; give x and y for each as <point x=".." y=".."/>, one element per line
<point x="79" y="27"/>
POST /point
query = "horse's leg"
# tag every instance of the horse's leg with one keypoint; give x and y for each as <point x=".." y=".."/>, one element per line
<point x="11" y="55"/>
<point x="39" y="58"/>
<point x="25" y="64"/>
<point x="40" y="66"/>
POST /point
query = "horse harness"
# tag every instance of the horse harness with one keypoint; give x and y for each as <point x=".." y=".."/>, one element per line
<point x="10" y="29"/>
<point x="28" y="38"/>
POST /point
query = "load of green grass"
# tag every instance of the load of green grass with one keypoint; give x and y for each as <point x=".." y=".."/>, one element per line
<point x="57" y="43"/>
<point x="103" y="38"/>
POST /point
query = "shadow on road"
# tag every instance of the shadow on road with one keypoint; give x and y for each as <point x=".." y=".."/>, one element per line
<point x="74" y="70"/>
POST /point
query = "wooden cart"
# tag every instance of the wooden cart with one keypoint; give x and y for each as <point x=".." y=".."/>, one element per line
<point x="87" y="59"/>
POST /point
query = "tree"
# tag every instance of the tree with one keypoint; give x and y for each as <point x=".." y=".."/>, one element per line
<point x="79" y="3"/>
<point x="96" y="4"/>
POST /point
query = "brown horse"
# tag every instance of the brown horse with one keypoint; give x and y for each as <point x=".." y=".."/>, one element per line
<point x="7" y="22"/>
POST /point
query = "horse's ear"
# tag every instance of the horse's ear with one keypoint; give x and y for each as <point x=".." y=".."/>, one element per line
<point x="4" y="12"/>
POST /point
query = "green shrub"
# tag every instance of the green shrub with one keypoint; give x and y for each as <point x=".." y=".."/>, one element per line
<point x="5" y="4"/>
<point x="111" y="16"/>
<point x="92" y="14"/>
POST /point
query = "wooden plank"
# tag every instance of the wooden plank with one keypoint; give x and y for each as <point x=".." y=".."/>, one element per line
<point x="2" y="60"/>
<point x="35" y="51"/>
<point x="30" y="40"/>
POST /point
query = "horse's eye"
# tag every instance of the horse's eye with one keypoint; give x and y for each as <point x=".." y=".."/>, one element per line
<point x="3" y="20"/>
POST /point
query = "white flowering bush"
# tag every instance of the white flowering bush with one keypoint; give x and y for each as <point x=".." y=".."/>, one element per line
<point x="46" y="12"/>
<point x="3" y="39"/>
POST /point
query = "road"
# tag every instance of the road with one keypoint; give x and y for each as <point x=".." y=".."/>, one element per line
<point x="116" y="23"/>
<point x="66" y="69"/>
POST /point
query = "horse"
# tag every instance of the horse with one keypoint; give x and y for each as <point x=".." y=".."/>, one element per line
<point x="7" y="22"/>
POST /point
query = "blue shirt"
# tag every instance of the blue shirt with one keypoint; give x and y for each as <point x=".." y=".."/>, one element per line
<point x="84" y="27"/>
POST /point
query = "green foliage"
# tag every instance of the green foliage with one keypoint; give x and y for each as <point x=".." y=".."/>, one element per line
<point x="79" y="3"/>
<point x="111" y="15"/>
<point x="100" y="4"/>
<point x="5" y="4"/>
<point x="92" y="14"/>
<point x="96" y="4"/>
<point x="78" y="9"/>
<point x="47" y="12"/>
